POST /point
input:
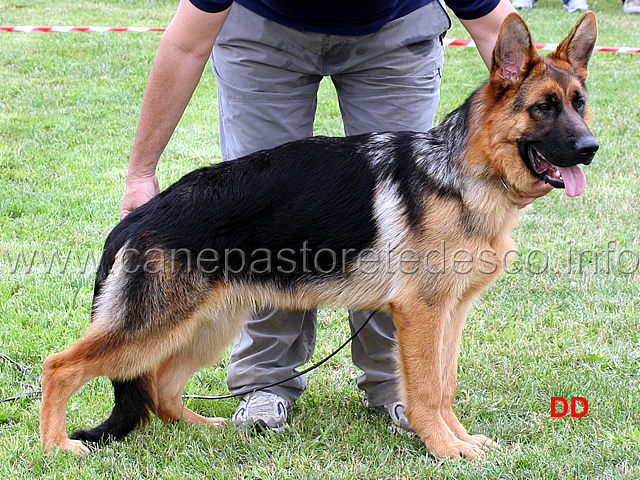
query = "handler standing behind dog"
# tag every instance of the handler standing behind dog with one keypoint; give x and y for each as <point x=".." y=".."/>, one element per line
<point x="385" y="59"/>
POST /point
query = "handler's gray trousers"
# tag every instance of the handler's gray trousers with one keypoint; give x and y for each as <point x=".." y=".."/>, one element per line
<point x="268" y="76"/>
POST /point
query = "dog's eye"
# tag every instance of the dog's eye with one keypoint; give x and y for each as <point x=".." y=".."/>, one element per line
<point x="544" y="106"/>
<point x="579" y="103"/>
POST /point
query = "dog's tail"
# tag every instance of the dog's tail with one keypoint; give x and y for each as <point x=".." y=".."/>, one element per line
<point x="133" y="406"/>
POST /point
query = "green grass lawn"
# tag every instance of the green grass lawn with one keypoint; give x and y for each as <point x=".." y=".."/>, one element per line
<point x="68" y="113"/>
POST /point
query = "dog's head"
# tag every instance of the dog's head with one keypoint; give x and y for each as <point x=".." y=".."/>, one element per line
<point x="546" y="103"/>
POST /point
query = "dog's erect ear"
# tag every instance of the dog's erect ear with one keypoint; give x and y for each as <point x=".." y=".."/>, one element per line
<point x="576" y="49"/>
<point x="514" y="53"/>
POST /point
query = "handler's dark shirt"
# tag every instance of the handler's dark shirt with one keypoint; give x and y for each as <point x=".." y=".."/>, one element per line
<point x="343" y="17"/>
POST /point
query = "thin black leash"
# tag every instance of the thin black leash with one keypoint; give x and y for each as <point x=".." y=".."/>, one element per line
<point x="206" y="397"/>
<point x="25" y="371"/>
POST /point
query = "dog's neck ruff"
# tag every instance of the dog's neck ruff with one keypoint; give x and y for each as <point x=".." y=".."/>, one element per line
<point x="509" y="189"/>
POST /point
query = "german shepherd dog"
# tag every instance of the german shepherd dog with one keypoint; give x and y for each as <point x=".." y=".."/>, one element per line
<point x="307" y="223"/>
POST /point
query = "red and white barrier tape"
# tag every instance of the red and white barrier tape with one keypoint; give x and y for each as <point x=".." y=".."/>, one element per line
<point x="545" y="46"/>
<point x="447" y="41"/>
<point x="67" y="29"/>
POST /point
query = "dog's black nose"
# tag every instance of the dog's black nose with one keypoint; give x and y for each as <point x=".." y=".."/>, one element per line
<point x="586" y="148"/>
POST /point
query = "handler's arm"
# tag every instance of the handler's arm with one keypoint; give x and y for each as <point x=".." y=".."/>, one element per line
<point x="182" y="55"/>
<point x="485" y="30"/>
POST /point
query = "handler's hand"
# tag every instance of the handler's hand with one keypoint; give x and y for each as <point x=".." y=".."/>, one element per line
<point x="138" y="192"/>
<point x="539" y="189"/>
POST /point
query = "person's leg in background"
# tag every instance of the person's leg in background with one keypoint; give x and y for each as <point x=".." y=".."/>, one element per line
<point x="267" y="91"/>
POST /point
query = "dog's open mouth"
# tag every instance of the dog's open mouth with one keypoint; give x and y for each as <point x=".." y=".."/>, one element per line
<point x="572" y="179"/>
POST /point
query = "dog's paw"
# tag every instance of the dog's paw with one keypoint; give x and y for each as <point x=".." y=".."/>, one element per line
<point x="192" y="417"/>
<point x="74" y="446"/>
<point x="457" y="449"/>
<point x="483" y="441"/>
<point x="216" y="421"/>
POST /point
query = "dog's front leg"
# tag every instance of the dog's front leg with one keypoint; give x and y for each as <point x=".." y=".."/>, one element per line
<point x="420" y="334"/>
<point x="451" y="342"/>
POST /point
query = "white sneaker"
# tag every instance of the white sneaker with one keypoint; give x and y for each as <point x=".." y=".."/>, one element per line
<point x="575" y="5"/>
<point x="631" y="6"/>
<point x="523" y="3"/>
<point x="262" y="411"/>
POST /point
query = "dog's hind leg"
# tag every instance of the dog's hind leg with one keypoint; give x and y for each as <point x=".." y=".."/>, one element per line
<point x="172" y="375"/>
<point x="420" y="330"/>
<point x="140" y="318"/>
<point x="62" y="374"/>
<point x="171" y="378"/>
<point x="107" y="352"/>
<point x="134" y="400"/>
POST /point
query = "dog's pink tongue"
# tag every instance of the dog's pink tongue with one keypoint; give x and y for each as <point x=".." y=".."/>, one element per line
<point x="574" y="180"/>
